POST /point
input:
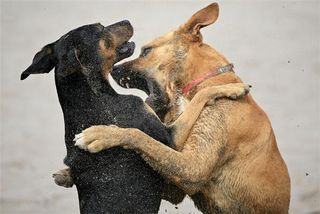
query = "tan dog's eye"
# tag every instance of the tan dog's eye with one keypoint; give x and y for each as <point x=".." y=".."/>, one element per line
<point x="145" y="51"/>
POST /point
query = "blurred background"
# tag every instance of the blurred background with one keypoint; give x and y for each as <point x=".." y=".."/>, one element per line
<point x="274" y="45"/>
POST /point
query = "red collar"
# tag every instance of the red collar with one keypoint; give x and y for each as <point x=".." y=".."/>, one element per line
<point x="206" y="76"/>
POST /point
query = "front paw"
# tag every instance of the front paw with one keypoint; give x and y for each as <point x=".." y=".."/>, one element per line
<point x="80" y="141"/>
<point x="232" y="91"/>
<point x="237" y="90"/>
<point x="98" y="138"/>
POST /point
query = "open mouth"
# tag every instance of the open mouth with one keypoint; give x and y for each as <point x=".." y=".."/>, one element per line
<point x="155" y="96"/>
<point x="125" y="50"/>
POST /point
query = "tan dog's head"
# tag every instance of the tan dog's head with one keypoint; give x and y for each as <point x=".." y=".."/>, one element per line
<point x="177" y="57"/>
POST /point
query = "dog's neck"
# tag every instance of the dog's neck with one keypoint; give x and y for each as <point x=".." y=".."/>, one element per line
<point x="77" y="92"/>
<point x="208" y="75"/>
<point x="208" y="59"/>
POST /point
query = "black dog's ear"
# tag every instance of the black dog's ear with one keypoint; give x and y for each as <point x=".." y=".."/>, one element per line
<point x="43" y="62"/>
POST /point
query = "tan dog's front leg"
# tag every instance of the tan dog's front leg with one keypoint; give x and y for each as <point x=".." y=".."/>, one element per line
<point x="188" y="169"/>
<point x="207" y="96"/>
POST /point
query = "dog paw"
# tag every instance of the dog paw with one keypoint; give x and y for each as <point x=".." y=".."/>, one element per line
<point x="83" y="142"/>
<point x="63" y="178"/>
<point x="98" y="138"/>
<point x="80" y="142"/>
<point x="237" y="90"/>
<point x="232" y="91"/>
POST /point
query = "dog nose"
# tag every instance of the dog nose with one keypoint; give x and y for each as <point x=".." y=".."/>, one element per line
<point x="126" y="48"/>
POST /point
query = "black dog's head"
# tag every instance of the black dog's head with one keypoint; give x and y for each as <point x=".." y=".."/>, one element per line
<point x="90" y="49"/>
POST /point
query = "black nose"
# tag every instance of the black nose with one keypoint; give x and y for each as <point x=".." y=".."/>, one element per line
<point x="126" y="48"/>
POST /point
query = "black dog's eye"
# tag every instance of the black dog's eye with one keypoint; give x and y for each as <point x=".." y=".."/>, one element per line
<point x="145" y="51"/>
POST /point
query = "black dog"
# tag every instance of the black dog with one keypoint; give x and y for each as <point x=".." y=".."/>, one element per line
<point x="112" y="181"/>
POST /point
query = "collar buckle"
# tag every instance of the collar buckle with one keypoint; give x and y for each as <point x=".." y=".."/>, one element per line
<point x="224" y="69"/>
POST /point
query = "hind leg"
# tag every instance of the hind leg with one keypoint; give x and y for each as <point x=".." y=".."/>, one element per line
<point x="63" y="178"/>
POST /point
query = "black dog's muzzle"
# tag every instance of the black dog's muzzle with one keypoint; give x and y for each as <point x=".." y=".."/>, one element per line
<point x="125" y="50"/>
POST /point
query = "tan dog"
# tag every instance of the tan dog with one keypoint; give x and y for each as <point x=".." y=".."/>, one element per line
<point x="230" y="162"/>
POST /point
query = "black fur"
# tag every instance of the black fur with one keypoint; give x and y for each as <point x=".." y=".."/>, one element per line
<point x="115" y="180"/>
<point x="157" y="100"/>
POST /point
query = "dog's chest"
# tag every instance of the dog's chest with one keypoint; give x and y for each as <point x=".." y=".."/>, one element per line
<point x="177" y="108"/>
<point x="181" y="104"/>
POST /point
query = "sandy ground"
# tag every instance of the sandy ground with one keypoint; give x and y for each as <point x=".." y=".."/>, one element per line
<point x="274" y="46"/>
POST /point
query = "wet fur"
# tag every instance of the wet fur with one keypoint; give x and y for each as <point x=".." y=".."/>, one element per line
<point x="230" y="162"/>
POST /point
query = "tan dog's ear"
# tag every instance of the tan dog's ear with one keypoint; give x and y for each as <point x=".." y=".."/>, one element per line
<point x="200" y="19"/>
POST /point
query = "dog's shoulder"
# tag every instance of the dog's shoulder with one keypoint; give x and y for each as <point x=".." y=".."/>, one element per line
<point x="137" y="114"/>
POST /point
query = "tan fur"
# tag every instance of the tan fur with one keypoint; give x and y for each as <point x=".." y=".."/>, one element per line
<point x="109" y="55"/>
<point x="229" y="162"/>
<point x="108" y="51"/>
